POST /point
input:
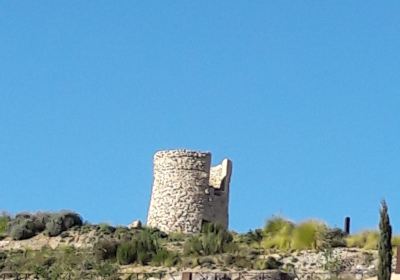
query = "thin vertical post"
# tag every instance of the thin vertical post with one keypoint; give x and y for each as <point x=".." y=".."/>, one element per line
<point x="347" y="225"/>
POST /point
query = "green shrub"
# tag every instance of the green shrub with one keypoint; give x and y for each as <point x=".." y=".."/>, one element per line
<point x="160" y="257"/>
<point x="306" y="235"/>
<point x="192" y="245"/>
<point x="122" y="234"/>
<point x="365" y="240"/>
<point x="282" y="234"/>
<point x="126" y="253"/>
<point x="252" y="237"/>
<point x="164" y="257"/>
<point x="4" y="220"/>
<point x="143" y="257"/>
<point x="142" y="248"/>
<point x="171" y="260"/>
<point x="71" y="219"/>
<point x="213" y="239"/>
<point x="105" y="249"/>
<point x="59" y="222"/>
<point x="26" y="225"/>
<point x="278" y="233"/>
<point x="176" y="237"/>
<point x="332" y="238"/>
<point x="106" y="228"/>
<point x="154" y="232"/>
<point x="55" y="226"/>
<point x="22" y="228"/>
<point x="41" y="219"/>
<point x="106" y="270"/>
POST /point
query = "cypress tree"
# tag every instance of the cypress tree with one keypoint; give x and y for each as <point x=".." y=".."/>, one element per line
<point x="385" y="244"/>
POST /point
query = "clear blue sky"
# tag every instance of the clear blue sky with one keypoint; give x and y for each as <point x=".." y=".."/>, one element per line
<point x="303" y="96"/>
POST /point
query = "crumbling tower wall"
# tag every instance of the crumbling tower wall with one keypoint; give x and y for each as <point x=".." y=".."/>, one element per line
<point x="218" y="199"/>
<point x="187" y="192"/>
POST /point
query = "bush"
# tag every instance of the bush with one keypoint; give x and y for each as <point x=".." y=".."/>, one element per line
<point x="122" y="234"/>
<point x="54" y="227"/>
<point x="333" y="238"/>
<point x="57" y="223"/>
<point x="107" y="270"/>
<point x="143" y="247"/>
<point x="160" y="257"/>
<point x="278" y="233"/>
<point x="306" y="235"/>
<point x="163" y="257"/>
<point x="282" y="234"/>
<point x="126" y="253"/>
<point x="41" y="219"/>
<point x="154" y="232"/>
<point x="176" y="237"/>
<point x="172" y="259"/>
<point x="26" y="225"/>
<point x="106" y="229"/>
<point x="192" y="246"/>
<point x="213" y="239"/>
<point x="22" y="228"/>
<point x="71" y="219"/>
<point x="105" y="249"/>
<point x="252" y="237"/>
<point x="4" y="220"/>
<point x="365" y="240"/>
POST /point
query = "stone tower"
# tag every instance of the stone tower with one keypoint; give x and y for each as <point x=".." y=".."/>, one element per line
<point x="188" y="192"/>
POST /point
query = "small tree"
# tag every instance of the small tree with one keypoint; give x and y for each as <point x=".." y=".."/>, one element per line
<point x="385" y="244"/>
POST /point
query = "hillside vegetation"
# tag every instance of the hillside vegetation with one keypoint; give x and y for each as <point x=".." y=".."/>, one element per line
<point x="103" y="250"/>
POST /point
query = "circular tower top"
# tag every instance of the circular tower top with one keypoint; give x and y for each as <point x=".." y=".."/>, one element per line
<point x="182" y="160"/>
<point x="181" y="153"/>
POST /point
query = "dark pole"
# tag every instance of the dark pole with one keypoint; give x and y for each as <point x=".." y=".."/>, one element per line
<point x="347" y="225"/>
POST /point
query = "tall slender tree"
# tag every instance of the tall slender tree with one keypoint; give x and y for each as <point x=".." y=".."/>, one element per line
<point x="385" y="244"/>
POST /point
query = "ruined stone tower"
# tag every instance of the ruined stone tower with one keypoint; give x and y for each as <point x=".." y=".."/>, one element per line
<point x="188" y="192"/>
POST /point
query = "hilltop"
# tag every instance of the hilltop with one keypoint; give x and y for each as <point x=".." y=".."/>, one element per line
<point x="52" y="245"/>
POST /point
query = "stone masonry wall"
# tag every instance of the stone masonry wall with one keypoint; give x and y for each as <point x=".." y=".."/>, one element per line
<point x="184" y="196"/>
